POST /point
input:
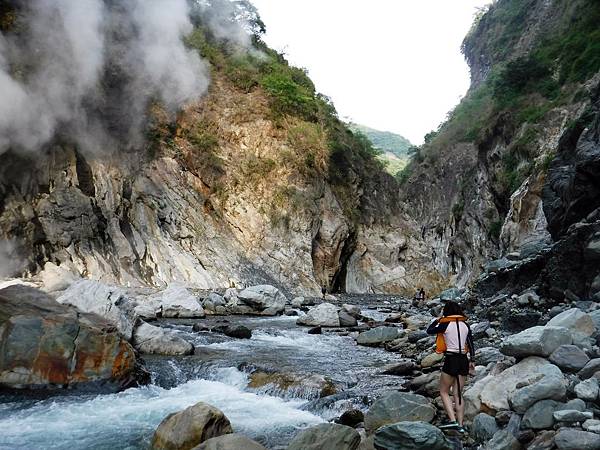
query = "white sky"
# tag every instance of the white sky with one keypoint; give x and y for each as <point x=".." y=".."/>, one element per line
<point x="390" y="64"/>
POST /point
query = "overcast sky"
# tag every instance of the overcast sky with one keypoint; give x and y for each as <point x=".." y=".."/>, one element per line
<point x="390" y="64"/>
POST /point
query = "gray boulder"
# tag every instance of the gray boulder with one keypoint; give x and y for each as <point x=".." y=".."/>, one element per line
<point x="503" y="440"/>
<point x="539" y="341"/>
<point x="595" y="315"/>
<point x="411" y="436"/>
<point x="486" y="355"/>
<point x="150" y="339"/>
<point x="575" y="320"/>
<point x="326" y="436"/>
<point x="572" y="439"/>
<point x="190" y="427"/>
<point x="592" y="425"/>
<point x="323" y="315"/>
<point x="377" y="336"/>
<point x="572" y="415"/>
<point x="398" y="407"/>
<point x="569" y="358"/>
<point x="232" y="441"/>
<point x="265" y="299"/>
<point x="589" y="369"/>
<point x="109" y="302"/>
<point x="587" y="390"/>
<point x="177" y="301"/>
<point x="540" y="415"/>
<point x="484" y="427"/>
<point x="352" y="310"/>
<point x="451" y="295"/>
<point x="346" y="320"/>
<point x="550" y="384"/>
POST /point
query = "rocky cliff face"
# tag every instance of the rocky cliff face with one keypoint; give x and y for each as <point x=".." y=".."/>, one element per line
<point x="512" y="168"/>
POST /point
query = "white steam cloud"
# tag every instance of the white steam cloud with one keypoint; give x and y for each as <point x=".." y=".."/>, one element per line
<point x="87" y="69"/>
<point x="10" y="262"/>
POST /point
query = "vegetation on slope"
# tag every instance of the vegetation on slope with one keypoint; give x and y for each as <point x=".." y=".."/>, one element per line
<point x="521" y="89"/>
<point x="309" y="120"/>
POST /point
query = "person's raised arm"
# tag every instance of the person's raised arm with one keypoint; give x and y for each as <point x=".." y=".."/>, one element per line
<point x="436" y="327"/>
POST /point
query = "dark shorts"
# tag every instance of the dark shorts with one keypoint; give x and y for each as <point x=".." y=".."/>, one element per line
<point x="456" y="364"/>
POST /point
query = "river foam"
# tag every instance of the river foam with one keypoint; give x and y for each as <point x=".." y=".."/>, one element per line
<point x="127" y="420"/>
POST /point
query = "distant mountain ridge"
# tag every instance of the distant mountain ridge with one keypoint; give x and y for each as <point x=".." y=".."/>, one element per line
<point x="385" y="141"/>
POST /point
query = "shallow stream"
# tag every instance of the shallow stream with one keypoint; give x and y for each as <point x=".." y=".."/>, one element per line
<point x="218" y="373"/>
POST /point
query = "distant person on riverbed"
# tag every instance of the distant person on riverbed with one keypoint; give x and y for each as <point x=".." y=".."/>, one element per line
<point x="419" y="298"/>
<point x="323" y="292"/>
<point x="454" y="340"/>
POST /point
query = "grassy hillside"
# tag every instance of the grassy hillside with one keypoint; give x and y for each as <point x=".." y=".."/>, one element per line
<point x="394" y="147"/>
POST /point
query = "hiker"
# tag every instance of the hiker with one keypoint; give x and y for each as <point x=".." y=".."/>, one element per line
<point x="419" y="298"/>
<point x="323" y="292"/>
<point x="454" y="340"/>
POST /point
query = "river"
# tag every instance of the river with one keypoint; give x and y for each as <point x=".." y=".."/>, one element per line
<point x="218" y="373"/>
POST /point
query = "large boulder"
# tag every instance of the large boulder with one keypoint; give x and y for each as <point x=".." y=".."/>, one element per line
<point x="484" y="427"/>
<point x="549" y="383"/>
<point x="377" y="336"/>
<point x="540" y="415"/>
<point x="592" y="366"/>
<point x="569" y="358"/>
<point x="232" y="441"/>
<point x="299" y="384"/>
<point x="177" y="301"/>
<point x="575" y="320"/>
<point x="539" y="341"/>
<point x="324" y="315"/>
<point x="46" y="344"/>
<point x="150" y="339"/>
<point x="587" y="389"/>
<point x="109" y="302"/>
<point x="572" y="439"/>
<point x="411" y="436"/>
<point x="326" y="436"/>
<point x="188" y="428"/>
<point x="346" y="320"/>
<point x="265" y="299"/>
<point x="495" y="390"/>
<point x="397" y="407"/>
<point x="503" y="440"/>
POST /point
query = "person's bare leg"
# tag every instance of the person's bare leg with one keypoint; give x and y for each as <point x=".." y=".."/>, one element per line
<point x="446" y="382"/>
<point x="460" y="406"/>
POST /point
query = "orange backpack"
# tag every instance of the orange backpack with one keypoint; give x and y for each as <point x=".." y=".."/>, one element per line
<point x="440" y="342"/>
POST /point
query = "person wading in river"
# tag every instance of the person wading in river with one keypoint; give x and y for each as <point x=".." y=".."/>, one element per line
<point x="454" y="340"/>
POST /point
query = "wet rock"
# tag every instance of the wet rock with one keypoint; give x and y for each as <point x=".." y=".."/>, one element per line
<point x="377" y="336"/>
<point x="351" y="418"/>
<point x="591" y="425"/>
<point x="403" y="367"/>
<point x="324" y="315"/>
<point x="188" y="428"/>
<point x="109" y="302"/>
<point x="408" y="435"/>
<point x="416" y="322"/>
<point x="521" y="320"/>
<point x="158" y="341"/>
<point x="426" y="384"/>
<point x="234" y="331"/>
<point x="315" y="330"/>
<point x="45" y="344"/>
<point x="346" y="320"/>
<point x="572" y="415"/>
<point x="540" y="415"/>
<point x="264" y="299"/>
<point x="176" y="301"/>
<point x="569" y="358"/>
<point x="587" y="390"/>
<point x="575" y="320"/>
<point x="326" y="436"/>
<point x="484" y="427"/>
<point x="572" y="439"/>
<point x="397" y="407"/>
<point x="540" y="341"/>
<point x="233" y="441"/>
<point x="301" y="385"/>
